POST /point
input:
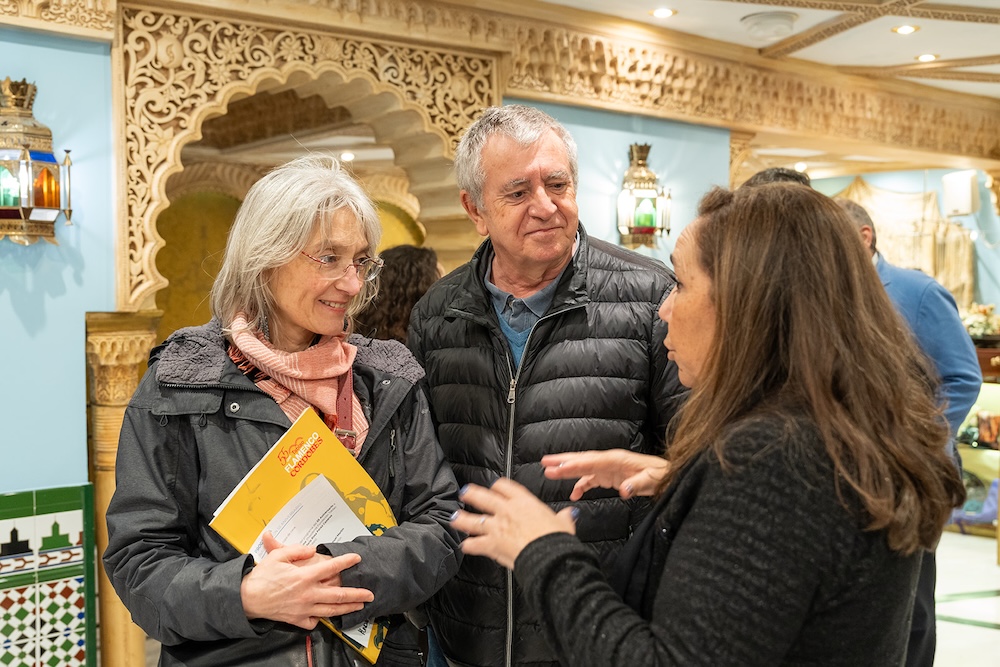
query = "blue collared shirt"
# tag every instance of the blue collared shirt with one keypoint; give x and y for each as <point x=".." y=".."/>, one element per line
<point x="517" y="316"/>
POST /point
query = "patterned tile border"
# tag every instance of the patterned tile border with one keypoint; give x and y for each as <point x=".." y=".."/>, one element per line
<point x="47" y="578"/>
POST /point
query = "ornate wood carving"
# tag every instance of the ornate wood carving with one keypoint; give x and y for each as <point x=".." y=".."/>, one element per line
<point x="178" y="70"/>
<point x="561" y="63"/>
<point x="93" y="18"/>
<point x="265" y="116"/>
<point x="739" y="151"/>
<point x="222" y="177"/>
<point x="113" y="358"/>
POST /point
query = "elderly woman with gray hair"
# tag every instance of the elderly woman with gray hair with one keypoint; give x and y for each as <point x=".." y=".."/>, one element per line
<point x="299" y="263"/>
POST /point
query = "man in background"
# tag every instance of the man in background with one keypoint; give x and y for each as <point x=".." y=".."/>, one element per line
<point x="547" y="341"/>
<point x="932" y="315"/>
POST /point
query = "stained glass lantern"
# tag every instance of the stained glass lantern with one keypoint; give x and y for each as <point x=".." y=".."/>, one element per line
<point x="34" y="187"/>
<point x="643" y="207"/>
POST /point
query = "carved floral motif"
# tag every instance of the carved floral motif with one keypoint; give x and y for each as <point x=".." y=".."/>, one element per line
<point x="96" y="15"/>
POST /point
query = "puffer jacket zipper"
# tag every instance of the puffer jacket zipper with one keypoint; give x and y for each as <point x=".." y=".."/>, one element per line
<point x="515" y="375"/>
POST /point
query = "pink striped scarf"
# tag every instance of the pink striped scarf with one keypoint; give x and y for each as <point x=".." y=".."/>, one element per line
<point x="300" y="380"/>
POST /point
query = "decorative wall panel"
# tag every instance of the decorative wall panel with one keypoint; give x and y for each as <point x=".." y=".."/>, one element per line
<point x="47" y="586"/>
<point x="88" y="18"/>
<point x="179" y="70"/>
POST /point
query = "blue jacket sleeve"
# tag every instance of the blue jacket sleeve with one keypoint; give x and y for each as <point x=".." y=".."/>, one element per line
<point x="943" y="338"/>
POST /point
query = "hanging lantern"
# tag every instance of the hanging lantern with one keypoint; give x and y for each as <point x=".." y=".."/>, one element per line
<point x="34" y="187"/>
<point x="643" y="208"/>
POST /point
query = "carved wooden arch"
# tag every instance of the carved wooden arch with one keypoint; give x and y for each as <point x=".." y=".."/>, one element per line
<point x="180" y="70"/>
<point x="233" y="180"/>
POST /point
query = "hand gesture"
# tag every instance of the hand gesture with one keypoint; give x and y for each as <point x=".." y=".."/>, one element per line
<point x="512" y="517"/>
<point x="296" y="585"/>
<point x="631" y="473"/>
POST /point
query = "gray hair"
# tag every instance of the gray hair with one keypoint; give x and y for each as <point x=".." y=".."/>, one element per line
<point x="524" y="124"/>
<point x="273" y="225"/>
<point x="858" y="215"/>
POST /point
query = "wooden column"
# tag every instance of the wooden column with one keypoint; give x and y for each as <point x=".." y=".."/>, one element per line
<point x="739" y="151"/>
<point x="117" y="347"/>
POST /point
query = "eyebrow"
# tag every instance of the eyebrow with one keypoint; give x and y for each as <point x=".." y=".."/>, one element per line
<point x="515" y="184"/>
<point x="558" y="175"/>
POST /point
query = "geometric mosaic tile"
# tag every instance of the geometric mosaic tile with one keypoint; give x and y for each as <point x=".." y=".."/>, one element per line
<point x="65" y="649"/>
<point x="61" y="604"/>
<point x="18" y="613"/>
<point x="22" y="654"/>
<point x="47" y="588"/>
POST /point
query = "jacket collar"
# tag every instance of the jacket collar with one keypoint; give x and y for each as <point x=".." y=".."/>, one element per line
<point x="196" y="356"/>
<point x="883" y="268"/>
<point x="474" y="299"/>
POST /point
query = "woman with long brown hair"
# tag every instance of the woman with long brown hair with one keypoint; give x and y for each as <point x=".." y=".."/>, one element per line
<point x="805" y="473"/>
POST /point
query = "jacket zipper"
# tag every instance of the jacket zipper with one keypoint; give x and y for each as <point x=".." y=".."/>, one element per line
<point x="392" y="453"/>
<point x="508" y="471"/>
<point x="508" y="459"/>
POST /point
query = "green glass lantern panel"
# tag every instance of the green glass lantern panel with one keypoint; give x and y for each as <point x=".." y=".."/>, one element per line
<point x="10" y="192"/>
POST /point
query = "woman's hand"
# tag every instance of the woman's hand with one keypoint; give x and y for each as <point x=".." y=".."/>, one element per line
<point x="296" y="585"/>
<point x="512" y="517"/>
<point x="631" y="473"/>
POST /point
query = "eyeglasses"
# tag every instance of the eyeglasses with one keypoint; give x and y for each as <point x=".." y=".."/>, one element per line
<point x="334" y="267"/>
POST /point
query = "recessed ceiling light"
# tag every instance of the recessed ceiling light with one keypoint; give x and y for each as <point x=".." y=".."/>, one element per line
<point x="347" y="156"/>
<point x="905" y="29"/>
<point x="801" y="166"/>
<point x="927" y="57"/>
<point x="663" y="13"/>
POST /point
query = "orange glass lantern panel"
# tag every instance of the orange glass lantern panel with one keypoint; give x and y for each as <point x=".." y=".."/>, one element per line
<point x="46" y="189"/>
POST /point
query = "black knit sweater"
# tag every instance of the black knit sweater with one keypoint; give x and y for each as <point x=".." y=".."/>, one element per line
<point x="754" y="564"/>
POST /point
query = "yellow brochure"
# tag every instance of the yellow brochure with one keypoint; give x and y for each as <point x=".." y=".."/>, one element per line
<point x="308" y="489"/>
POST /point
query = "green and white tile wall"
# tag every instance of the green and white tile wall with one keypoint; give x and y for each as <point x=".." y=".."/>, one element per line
<point x="47" y="578"/>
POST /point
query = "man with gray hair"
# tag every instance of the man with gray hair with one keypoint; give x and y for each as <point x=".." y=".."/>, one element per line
<point x="547" y="341"/>
<point x="930" y="311"/>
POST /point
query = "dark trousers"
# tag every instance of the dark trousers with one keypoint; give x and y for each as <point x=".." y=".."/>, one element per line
<point x="920" y="648"/>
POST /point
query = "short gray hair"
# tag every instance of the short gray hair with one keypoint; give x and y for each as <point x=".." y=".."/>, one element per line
<point x="273" y="225"/>
<point x="524" y="124"/>
<point x="858" y="215"/>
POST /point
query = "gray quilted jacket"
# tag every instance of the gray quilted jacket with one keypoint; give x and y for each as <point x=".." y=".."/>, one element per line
<point x="192" y="430"/>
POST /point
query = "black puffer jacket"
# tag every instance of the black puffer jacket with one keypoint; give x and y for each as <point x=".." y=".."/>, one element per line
<point x="192" y="430"/>
<point x="594" y="375"/>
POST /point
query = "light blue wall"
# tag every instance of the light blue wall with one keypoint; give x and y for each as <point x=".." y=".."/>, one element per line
<point x="689" y="159"/>
<point x="985" y="221"/>
<point x="45" y="290"/>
